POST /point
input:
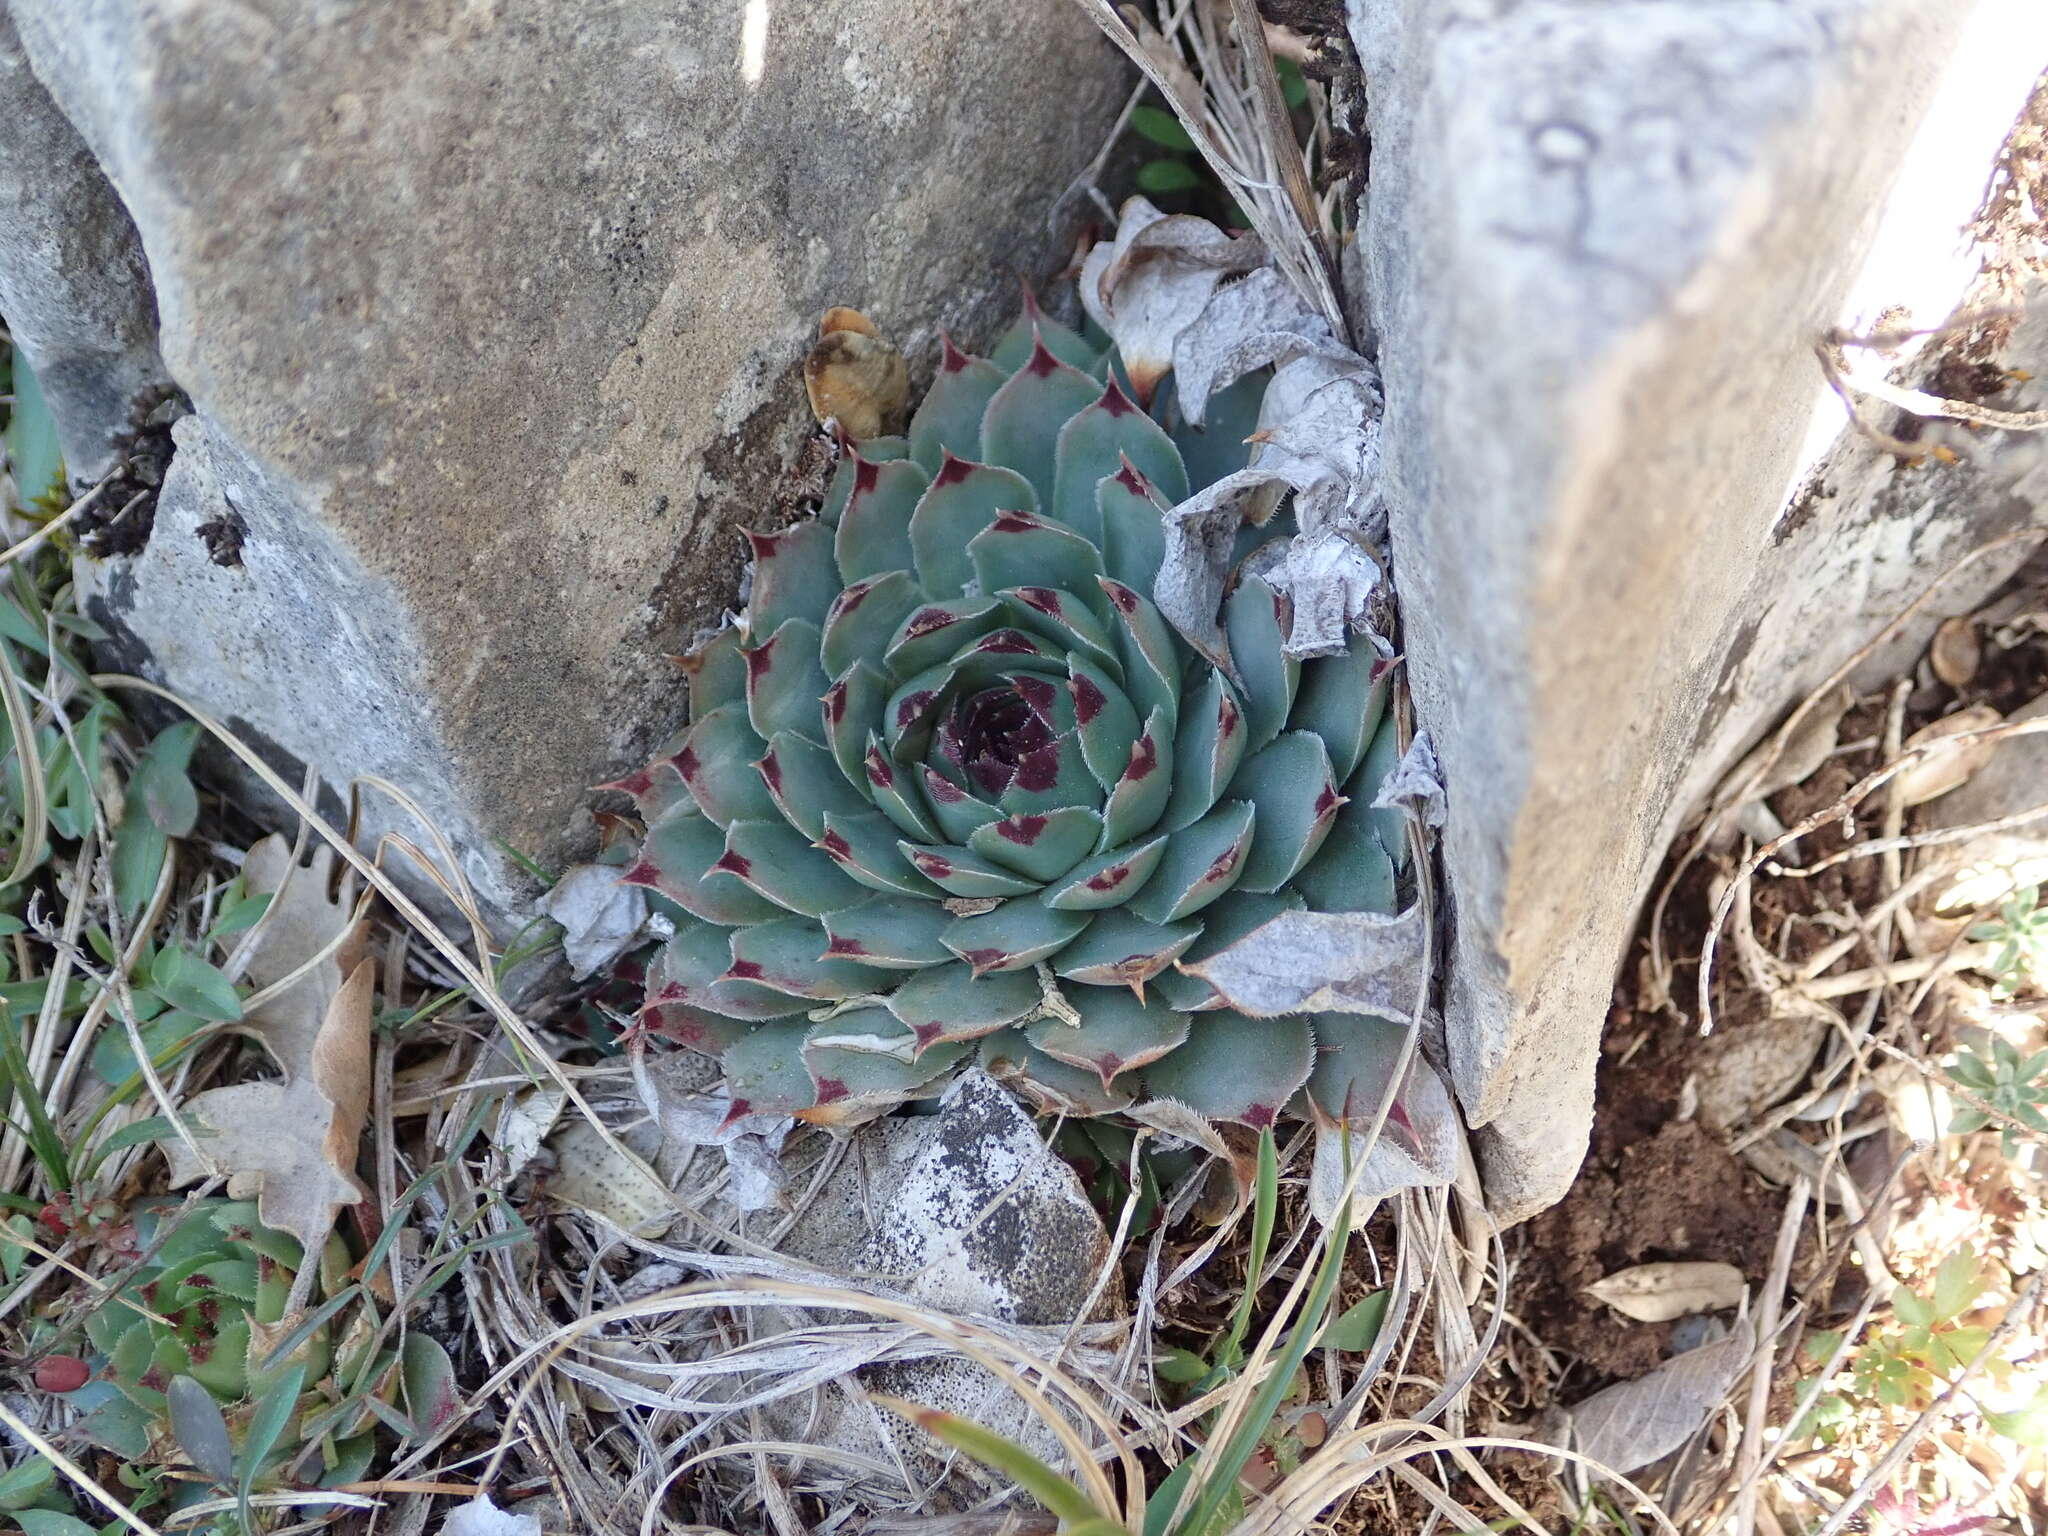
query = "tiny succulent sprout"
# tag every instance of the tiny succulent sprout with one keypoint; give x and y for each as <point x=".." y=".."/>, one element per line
<point x="954" y="790"/>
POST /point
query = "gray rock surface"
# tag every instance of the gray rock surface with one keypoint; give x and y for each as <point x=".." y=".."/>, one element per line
<point x="963" y="1213"/>
<point x="491" y="316"/>
<point x="1602" y="242"/>
<point x="73" y="283"/>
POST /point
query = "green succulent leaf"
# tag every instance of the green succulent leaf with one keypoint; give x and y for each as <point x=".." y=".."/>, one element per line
<point x="873" y="535"/>
<point x="795" y="576"/>
<point x="949" y="420"/>
<point x="964" y="498"/>
<point x="1019" y="933"/>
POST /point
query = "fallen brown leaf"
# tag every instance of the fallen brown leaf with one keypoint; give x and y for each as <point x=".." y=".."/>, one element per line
<point x="1935" y="775"/>
<point x="1656" y="1293"/>
<point x="292" y="1143"/>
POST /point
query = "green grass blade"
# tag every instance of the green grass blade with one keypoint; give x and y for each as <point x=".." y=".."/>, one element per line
<point x="34" y="804"/>
<point x="41" y="1131"/>
<point x="266" y="1426"/>
<point x="1222" y="1472"/>
<point x="1265" y="1211"/>
<point x="313" y="1322"/>
<point x="992" y="1450"/>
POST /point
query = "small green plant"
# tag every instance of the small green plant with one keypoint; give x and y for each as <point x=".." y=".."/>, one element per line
<point x="200" y="1343"/>
<point x="2021" y="933"/>
<point x="1903" y="1366"/>
<point x="2014" y="1085"/>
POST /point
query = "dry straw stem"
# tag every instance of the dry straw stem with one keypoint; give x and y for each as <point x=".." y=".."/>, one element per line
<point x="1761" y="763"/>
<point x="1839" y="809"/>
<point x="78" y="1476"/>
<point x="1227" y="97"/>
<point x="1750" y="1457"/>
<point x="1913" y="401"/>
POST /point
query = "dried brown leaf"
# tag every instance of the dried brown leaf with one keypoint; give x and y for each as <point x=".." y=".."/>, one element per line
<point x="1943" y="770"/>
<point x="1956" y="651"/>
<point x="1656" y="1293"/>
<point x="1632" y="1423"/>
<point x="292" y="1143"/>
<point x="1151" y="282"/>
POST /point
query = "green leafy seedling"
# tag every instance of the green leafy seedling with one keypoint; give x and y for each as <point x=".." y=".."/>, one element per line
<point x="2014" y="1085"/>
<point x="2021" y="933"/>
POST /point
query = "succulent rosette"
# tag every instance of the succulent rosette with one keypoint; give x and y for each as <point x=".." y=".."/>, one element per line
<point x="953" y="788"/>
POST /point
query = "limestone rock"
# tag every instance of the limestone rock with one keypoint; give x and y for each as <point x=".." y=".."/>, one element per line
<point x="492" y="316"/>
<point x="966" y="1212"/>
<point x="1602" y="242"/>
<point x="73" y="283"/>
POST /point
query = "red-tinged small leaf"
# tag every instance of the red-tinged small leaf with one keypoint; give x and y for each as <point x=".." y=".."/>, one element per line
<point x="794" y="576"/>
<point x="716" y="763"/>
<point x="948" y="421"/>
<point x="949" y="1002"/>
<point x="868" y="847"/>
<point x="1041" y="846"/>
<point x="933" y="632"/>
<point x="1108" y="879"/>
<point x="1133" y="537"/>
<point x="1065" y="620"/>
<point x="863" y="617"/>
<point x="1235" y="1068"/>
<point x="962" y="872"/>
<point x="1255" y="624"/>
<point x="1342" y="699"/>
<point x="1120" y="950"/>
<point x="962" y="500"/>
<point x="786" y="681"/>
<point x="1207" y="750"/>
<point x="1021" y="549"/>
<point x="896" y="932"/>
<point x="678" y="859"/>
<point x="1098" y="442"/>
<point x="1147" y="651"/>
<point x="1290" y="783"/>
<point x="1117" y="1032"/>
<point x="805" y="783"/>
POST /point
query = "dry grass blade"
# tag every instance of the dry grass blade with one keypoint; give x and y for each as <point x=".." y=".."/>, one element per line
<point x="1228" y="99"/>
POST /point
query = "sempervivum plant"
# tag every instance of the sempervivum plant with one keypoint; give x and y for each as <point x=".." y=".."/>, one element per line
<point x="955" y="787"/>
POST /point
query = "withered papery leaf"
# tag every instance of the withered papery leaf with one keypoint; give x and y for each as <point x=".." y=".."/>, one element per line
<point x="1416" y="783"/>
<point x="1324" y="446"/>
<point x="1323" y="962"/>
<point x="292" y="1143"/>
<point x="1633" y="1423"/>
<point x="1417" y="1148"/>
<point x="1150" y="283"/>
<point x="1656" y="1293"/>
<point x="600" y="916"/>
<point x="1257" y="322"/>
